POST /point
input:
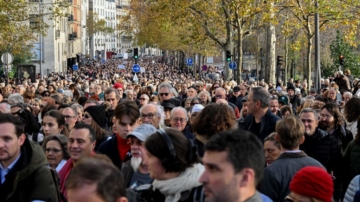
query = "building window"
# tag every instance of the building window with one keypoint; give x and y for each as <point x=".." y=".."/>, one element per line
<point x="34" y="21"/>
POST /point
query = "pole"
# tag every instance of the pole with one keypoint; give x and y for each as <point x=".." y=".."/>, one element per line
<point x="7" y="70"/>
<point x="317" y="52"/>
<point x="41" y="74"/>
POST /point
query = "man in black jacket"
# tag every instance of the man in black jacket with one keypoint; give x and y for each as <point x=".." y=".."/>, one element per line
<point x="278" y="175"/>
<point x="127" y="116"/>
<point x="135" y="172"/>
<point x="260" y="121"/>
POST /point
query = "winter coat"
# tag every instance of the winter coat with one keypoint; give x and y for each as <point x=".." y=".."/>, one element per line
<point x="278" y="175"/>
<point x="268" y="123"/>
<point x="324" y="148"/>
<point x="110" y="149"/>
<point x="354" y="186"/>
<point x="343" y="83"/>
<point x="127" y="172"/>
<point x="30" y="178"/>
<point x="352" y="157"/>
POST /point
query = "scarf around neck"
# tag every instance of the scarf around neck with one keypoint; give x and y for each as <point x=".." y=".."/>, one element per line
<point x="173" y="187"/>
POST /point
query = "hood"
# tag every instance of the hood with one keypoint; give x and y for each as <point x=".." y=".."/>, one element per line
<point x="34" y="158"/>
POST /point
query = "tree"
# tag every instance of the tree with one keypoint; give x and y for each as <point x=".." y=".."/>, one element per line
<point x="340" y="47"/>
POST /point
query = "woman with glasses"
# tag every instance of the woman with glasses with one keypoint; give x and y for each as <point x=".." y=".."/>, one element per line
<point x="45" y="94"/>
<point x="95" y="117"/>
<point x="56" y="152"/>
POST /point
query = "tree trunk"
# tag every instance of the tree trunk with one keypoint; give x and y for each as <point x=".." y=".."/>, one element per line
<point x="271" y="67"/>
<point x="308" y="65"/>
<point x="239" y="55"/>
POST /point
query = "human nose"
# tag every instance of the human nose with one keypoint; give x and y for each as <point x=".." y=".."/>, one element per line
<point x="203" y="177"/>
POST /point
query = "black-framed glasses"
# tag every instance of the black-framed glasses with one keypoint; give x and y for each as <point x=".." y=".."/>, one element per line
<point x="182" y="120"/>
<point x="87" y="116"/>
<point x="142" y="98"/>
<point x="54" y="150"/>
<point x="46" y="95"/>
<point x="218" y="96"/>
<point x="164" y="94"/>
<point x="149" y="116"/>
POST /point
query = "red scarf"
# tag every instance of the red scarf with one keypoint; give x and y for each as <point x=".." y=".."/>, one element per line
<point x="64" y="173"/>
<point x="123" y="147"/>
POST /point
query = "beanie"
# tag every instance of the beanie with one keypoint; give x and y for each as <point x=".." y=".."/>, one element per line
<point x="97" y="112"/>
<point x="313" y="182"/>
<point x="118" y="85"/>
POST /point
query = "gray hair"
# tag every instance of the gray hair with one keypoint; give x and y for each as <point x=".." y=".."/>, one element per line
<point x="221" y="89"/>
<point x="22" y="86"/>
<point x="128" y="91"/>
<point x="77" y="106"/>
<point x="348" y="93"/>
<point x="165" y="85"/>
<point x="15" y="98"/>
<point x="179" y="108"/>
<point x="73" y="109"/>
<point x="207" y="95"/>
<point x="7" y="107"/>
<point x="159" y="111"/>
<point x="259" y="93"/>
<point x="310" y="110"/>
<point x="110" y="90"/>
<point x="174" y="92"/>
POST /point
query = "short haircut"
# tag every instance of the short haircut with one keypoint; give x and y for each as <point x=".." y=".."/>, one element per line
<point x="111" y="90"/>
<point x="310" y="110"/>
<point x="109" y="180"/>
<point x="77" y="106"/>
<point x="290" y="131"/>
<point x="213" y="119"/>
<point x="259" y="93"/>
<point x="159" y="111"/>
<point x="127" y="108"/>
<point x="186" y="154"/>
<point x="92" y="133"/>
<point x="165" y="85"/>
<point x="16" y="121"/>
<point x="179" y="108"/>
<point x="15" y="98"/>
<point x="244" y="149"/>
<point x="72" y="109"/>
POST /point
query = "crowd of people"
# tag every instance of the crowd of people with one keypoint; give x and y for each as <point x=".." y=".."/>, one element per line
<point x="103" y="133"/>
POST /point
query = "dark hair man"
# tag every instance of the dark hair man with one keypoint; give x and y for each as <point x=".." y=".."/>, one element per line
<point x="127" y="118"/>
<point x="81" y="143"/>
<point x="113" y="97"/>
<point x="234" y="164"/>
<point x="21" y="157"/>
<point x="290" y="133"/>
<point x="260" y="120"/>
<point x="94" y="179"/>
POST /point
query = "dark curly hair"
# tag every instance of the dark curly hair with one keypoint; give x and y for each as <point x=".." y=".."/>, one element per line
<point x="352" y="109"/>
<point x="333" y="109"/>
<point x="213" y="119"/>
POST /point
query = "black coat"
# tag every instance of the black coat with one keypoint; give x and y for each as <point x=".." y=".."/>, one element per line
<point x="268" y="123"/>
<point x="324" y="148"/>
<point x="110" y="149"/>
<point x="278" y="175"/>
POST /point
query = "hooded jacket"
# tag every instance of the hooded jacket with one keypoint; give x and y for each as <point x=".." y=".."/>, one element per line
<point x="30" y="178"/>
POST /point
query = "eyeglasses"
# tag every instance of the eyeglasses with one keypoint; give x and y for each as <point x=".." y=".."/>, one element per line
<point x="149" y="116"/>
<point x="48" y="150"/>
<point x="182" y="120"/>
<point x="326" y="116"/>
<point x="87" y="116"/>
<point x="142" y="98"/>
<point x="164" y="94"/>
<point x="218" y="96"/>
<point x="273" y="97"/>
<point x="69" y="117"/>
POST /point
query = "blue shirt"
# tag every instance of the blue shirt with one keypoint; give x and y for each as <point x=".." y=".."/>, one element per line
<point x="5" y="171"/>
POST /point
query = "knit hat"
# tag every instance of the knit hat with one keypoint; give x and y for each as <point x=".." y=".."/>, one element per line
<point x="118" y="85"/>
<point x="313" y="182"/>
<point x="97" y="112"/>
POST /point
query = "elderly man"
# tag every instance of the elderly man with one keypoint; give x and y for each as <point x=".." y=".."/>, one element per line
<point x="130" y="95"/>
<point x="152" y="114"/>
<point x="71" y="117"/>
<point x="15" y="99"/>
<point x="164" y="92"/>
<point x="20" y="89"/>
<point x="178" y="120"/>
<point x="135" y="172"/>
<point x="5" y="108"/>
<point x="220" y="93"/>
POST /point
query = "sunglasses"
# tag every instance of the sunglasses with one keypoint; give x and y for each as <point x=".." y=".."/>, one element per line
<point x="142" y="98"/>
<point x="87" y="116"/>
<point x="164" y="94"/>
